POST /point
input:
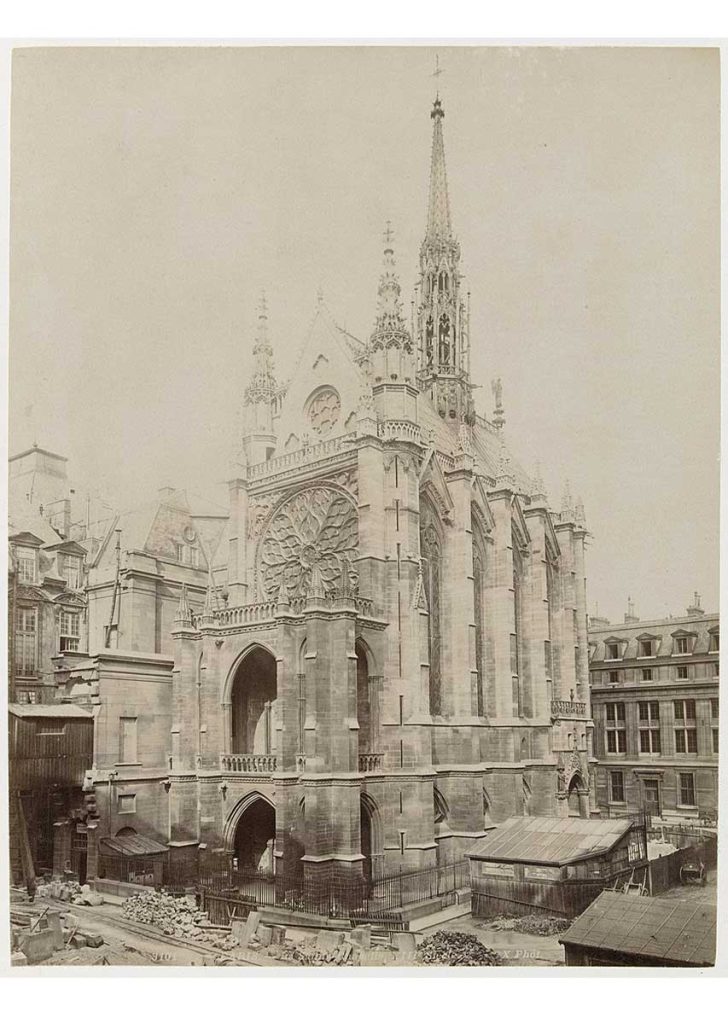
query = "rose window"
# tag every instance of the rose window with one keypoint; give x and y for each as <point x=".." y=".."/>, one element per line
<point x="318" y="527"/>
<point x="324" y="410"/>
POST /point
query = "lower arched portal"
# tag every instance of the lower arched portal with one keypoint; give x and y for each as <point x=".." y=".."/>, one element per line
<point x="371" y="839"/>
<point x="578" y="798"/>
<point x="255" y="837"/>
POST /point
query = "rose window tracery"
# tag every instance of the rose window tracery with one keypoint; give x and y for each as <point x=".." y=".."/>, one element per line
<point x="318" y="526"/>
<point x="324" y="410"/>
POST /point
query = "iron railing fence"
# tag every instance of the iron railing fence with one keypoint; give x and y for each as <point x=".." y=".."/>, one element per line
<point x="362" y="899"/>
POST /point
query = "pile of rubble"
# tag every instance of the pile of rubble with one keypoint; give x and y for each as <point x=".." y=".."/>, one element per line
<point x="456" y="949"/>
<point x="177" y="916"/>
<point x="531" y="924"/>
<point x="70" y="892"/>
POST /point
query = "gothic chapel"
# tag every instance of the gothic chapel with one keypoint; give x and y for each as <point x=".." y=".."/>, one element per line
<point x="392" y="656"/>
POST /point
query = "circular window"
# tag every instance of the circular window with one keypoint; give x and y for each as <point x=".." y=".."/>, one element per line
<point x="324" y="410"/>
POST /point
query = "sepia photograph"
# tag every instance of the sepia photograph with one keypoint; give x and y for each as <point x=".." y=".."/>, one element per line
<point x="363" y="507"/>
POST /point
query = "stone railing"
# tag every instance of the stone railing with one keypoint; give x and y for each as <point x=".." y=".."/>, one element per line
<point x="310" y="453"/>
<point x="399" y="430"/>
<point x="265" y="611"/>
<point x="568" y="709"/>
<point x="249" y="764"/>
<point x="370" y="762"/>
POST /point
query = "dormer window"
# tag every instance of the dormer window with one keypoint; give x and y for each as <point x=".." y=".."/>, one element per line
<point x="26" y="560"/>
<point x="647" y="646"/>
<point x="714" y="642"/>
<point x="683" y="643"/>
<point x="72" y="571"/>
<point x="614" y="648"/>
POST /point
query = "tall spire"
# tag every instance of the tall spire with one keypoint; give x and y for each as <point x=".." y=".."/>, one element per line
<point x="263" y="382"/>
<point x="439" y="224"/>
<point x="390" y="324"/>
<point x="443" y="332"/>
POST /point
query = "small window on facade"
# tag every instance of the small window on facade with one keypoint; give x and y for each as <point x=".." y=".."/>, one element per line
<point x="50" y="727"/>
<point x="614" y="677"/>
<point x="646" y="649"/>
<point x="194" y="557"/>
<point x="179" y="552"/>
<point x="682" y="672"/>
<point x="682" y="645"/>
<point x="616" y="787"/>
<point x="715" y="741"/>
<point x="27" y="563"/>
<point x="649" y="741"/>
<point x="687" y="789"/>
<point x="70" y="630"/>
<point x="713" y="707"/>
<point x="714" y="642"/>
<point x="686" y="741"/>
<point x="684" y="710"/>
<point x="127" y="803"/>
<point x="26" y="641"/>
<point x="646" y="675"/>
<point x="72" y="571"/>
<point x="616" y="732"/>
<point x="612" y="652"/>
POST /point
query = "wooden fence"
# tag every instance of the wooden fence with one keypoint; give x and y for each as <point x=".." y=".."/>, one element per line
<point x="665" y="871"/>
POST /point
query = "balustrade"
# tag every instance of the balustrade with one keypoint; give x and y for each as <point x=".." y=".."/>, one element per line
<point x="250" y="764"/>
<point x="370" y="762"/>
<point x="568" y="709"/>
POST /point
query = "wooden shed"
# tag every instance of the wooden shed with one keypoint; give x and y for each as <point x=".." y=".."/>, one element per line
<point x="132" y="858"/>
<point x="618" y="930"/>
<point x="554" y="865"/>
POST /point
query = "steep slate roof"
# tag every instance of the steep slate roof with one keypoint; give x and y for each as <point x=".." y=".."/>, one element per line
<point x="541" y="840"/>
<point x="662" y="629"/>
<point x="680" y="931"/>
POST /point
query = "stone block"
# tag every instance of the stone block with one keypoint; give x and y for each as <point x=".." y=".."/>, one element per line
<point x="361" y="936"/>
<point x="327" y="940"/>
<point x="245" y="930"/>
<point x="38" y="946"/>
<point x="405" y="942"/>
<point x="93" y="939"/>
<point x="92" y="899"/>
<point x="78" y="941"/>
<point x="278" y="935"/>
<point x="264" y="934"/>
<point x="18" y="960"/>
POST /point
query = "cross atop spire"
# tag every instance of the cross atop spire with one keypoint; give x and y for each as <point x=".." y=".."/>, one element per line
<point x="436" y="75"/>
<point x="390" y="325"/>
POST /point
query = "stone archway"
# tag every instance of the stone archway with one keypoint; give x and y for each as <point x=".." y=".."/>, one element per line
<point x="250" y="834"/>
<point x="253" y="694"/>
<point x="372" y="838"/>
<point x="577" y="797"/>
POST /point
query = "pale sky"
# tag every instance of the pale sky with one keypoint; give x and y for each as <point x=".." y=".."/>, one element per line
<point x="155" y="192"/>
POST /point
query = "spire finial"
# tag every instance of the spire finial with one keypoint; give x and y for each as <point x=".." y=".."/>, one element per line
<point x="538" y="488"/>
<point x="499" y="418"/>
<point x="263" y="382"/>
<point x="390" y="329"/>
<point x="567" y="503"/>
<point x="184" y="614"/>
<point x="388" y="236"/>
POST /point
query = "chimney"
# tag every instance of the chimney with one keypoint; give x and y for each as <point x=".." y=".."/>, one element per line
<point x="694" y="608"/>
<point x="629" y="615"/>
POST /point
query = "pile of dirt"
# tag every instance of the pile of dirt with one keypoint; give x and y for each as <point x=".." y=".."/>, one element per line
<point x="456" y="949"/>
<point x="531" y="924"/>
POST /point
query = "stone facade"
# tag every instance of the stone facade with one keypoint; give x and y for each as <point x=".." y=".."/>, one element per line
<point x="392" y="653"/>
<point x="654" y="688"/>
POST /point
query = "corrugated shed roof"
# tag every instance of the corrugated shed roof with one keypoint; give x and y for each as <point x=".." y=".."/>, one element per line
<point x="133" y="845"/>
<point x="48" y="711"/>
<point x="677" y="930"/>
<point x="550" y="840"/>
